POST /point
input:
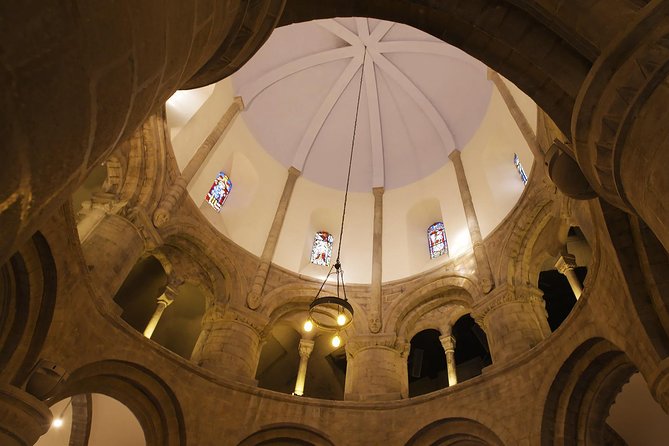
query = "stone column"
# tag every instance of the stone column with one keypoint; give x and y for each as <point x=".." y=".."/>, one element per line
<point x="514" y="320"/>
<point x="231" y="342"/>
<point x="480" y="253"/>
<point x="23" y="418"/>
<point x="566" y="265"/>
<point x="111" y="251"/>
<point x="517" y="115"/>
<point x="254" y="297"/>
<point x="448" y="342"/>
<point x="305" y="349"/>
<point x="376" y="369"/>
<point x="164" y="301"/>
<point x="177" y="190"/>
<point x="376" y="317"/>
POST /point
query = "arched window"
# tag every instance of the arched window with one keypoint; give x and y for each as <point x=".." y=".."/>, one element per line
<point x="436" y="239"/>
<point x="321" y="251"/>
<point x="219" y="191"/>
<point x="519" y="166"/>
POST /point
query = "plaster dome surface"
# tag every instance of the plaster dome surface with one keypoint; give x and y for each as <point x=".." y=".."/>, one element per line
<point x="420" y="99"/>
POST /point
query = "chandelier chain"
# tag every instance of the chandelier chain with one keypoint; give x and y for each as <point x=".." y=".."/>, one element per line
<point x="350" y="160"/>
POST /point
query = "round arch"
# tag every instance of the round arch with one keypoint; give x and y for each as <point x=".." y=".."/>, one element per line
<point x="582" y="392"/>
<point x="148" y="397"/>
<point x="455" y="431"/>
<point x="287" y="434"/>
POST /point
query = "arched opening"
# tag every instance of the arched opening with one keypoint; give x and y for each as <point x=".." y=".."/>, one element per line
<point x="472" y="353"/>
<point x="150" y="400"/>
<point x="181" y="323"/>
<point x="426" y="363"/>
<point x="582" y="393"/>
<point x="93" y="419"/>
<point x="455" y="431"/>
<point x="555" y="281"/>
<point x="280" y="361"/>
<point x="140" y="290"/>
<point x="286" y="435"/>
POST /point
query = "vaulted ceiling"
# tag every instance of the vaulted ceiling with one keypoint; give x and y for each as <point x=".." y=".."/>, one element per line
<point x="420" y="99"/>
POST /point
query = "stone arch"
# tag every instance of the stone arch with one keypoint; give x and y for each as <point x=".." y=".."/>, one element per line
<point x="582" y="392"/>
<point x="28" y="287"/>
<point x="520" y="244"/>
<point x="455" y="431"/>
<point x="207" y="246"/>
<point x="290" y="298"/>
<point x="147" y="396"/>
<point x="285" y="434"/>
<point x="420" y="300"/>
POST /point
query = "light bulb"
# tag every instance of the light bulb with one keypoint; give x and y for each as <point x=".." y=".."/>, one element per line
<point x="57" y="422"/>
<point x="336" y="341"/>
<point x="341" y="319"/>
<point x="308" y="325"/>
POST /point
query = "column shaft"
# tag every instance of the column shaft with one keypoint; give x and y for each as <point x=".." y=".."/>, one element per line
<point x="255" y="295"/>
<point x="514" y="320"/>
<point x="163" y="302"/>
<point x="375" y="317"/>
<point x="231" y="343"/>
<point x="480" y="253"/>
<point x="448" y="342"/>
<point x="178" y="188"/>
<point x="566" y="265"/>
<point x="376" y="370"/>
<point x="305" y="349"/>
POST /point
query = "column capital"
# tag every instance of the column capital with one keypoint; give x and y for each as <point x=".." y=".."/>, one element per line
<point x="294" y="172"/>
<point x="258" y="322"/>
<point x="364" y="342"/>
<point x="378" y="191"/>
<point x="448" y="342"/>
<point x="455" y="154"/>
<point x="239" y="101"/>
<point x="305" y="348"/>
<point x="503" y="295"/>
<point x="566" y="262"/>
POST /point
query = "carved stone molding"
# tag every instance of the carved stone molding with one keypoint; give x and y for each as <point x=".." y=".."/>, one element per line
<point x="507" y="294"/>
<point x="359" y="343"/>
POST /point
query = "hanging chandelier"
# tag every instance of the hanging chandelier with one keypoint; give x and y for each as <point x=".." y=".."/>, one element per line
<point x="334" y="313"/>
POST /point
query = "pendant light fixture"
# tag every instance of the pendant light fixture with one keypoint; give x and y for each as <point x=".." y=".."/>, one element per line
<point x="335" y="313"/>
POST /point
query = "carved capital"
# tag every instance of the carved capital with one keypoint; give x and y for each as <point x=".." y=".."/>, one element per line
<point x="305" y="348"/>
<point x="359" y="343"/>
<point x="448" y="342"/>
<point x="250" y="318"/>
<point x="566" y="262"/>
<point x="504" y="295"/>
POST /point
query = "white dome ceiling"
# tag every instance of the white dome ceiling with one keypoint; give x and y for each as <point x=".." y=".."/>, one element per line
<point x="421" y="98"/>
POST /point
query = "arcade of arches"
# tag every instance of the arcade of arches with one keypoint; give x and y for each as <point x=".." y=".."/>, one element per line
<point x="132" y="312"/>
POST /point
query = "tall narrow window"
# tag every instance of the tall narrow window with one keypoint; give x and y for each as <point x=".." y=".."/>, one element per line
<point x="519" y="166"/>
<point x="436" y="239"/>
<point x="321" y="251"/>
<point x="219" y="191"/>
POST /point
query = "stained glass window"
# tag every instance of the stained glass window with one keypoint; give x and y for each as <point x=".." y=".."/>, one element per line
<point x="519" y="166"/>
<point x="436" y="239"/>
<point x="219" y="191"/>
<point x="321" y="250"/>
